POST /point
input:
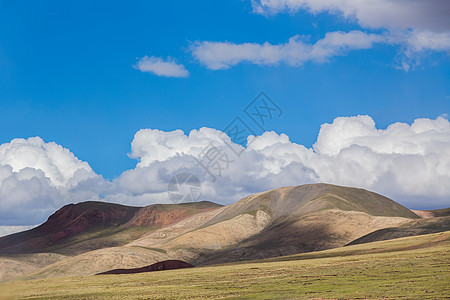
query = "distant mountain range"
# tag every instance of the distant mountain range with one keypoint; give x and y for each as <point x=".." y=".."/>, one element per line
<point x="94" y="237"/>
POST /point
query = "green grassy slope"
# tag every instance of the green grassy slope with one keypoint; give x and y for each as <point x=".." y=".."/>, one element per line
<point x="406" y="268"/>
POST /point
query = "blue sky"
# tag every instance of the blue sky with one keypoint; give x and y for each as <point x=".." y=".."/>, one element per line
<point x="67" y="75"/>
<point x="92" y="93"/>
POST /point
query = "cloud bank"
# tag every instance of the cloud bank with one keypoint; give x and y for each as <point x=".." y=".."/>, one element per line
<point x="160" y="67"/>
<point x="410" y="163"/>
<point x="407" y="162"/>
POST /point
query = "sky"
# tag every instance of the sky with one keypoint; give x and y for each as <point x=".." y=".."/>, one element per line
<point x="110" y="100"/>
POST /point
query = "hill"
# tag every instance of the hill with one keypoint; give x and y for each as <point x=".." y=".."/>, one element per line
<point x="293" y="220"/>
<point x="87" y="226"/>
<point x="300" y="200"/>
<point x="406" y="268"/>
<point x="284" y="221"/>
<point x="412" y="228"/>
<point x="66" y="223"/>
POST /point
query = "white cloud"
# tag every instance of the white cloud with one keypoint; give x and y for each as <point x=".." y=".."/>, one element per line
<point x="160" y="67"/>
<point x="223" y="55"/>
<point x="37" y="177"/>
<point x="150" y="145"/>
<point x="428" y="40"/>
<point x="410" y="163"/>
<point x="57" y="163"/>
<point x="417" y="26"/>
<point x="402" y="160"/>
<point x="407" y="162"/>
<point x="392" y="14"/>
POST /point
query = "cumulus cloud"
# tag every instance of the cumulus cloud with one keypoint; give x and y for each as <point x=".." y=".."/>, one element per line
<point x="418" y="26"/>
<point x="298" y="50"/>
<point x="408" y="162"/>
<point x="58" y="164"/>
<point x="160" y="67"/>
<point x="402" y="160"/>
<point x="37" y="177"/>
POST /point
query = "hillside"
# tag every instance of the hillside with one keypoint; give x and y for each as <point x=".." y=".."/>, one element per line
<point x="300" y="200"/>
<point x="86" y="226"/>
<point x="412" y="228"/>
<point x="68" y="222"/>
<point x="294" y="220"/>
<point x="284" y="221"/>
<point x="406" y="268"/>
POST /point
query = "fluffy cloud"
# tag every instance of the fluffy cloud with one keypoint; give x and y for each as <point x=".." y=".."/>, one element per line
<point x="407" y="162"/>
<point x="410" y="163"/>
<point x="37" y="177"/>
<point x="58" y="164"/>
<point x="223" y="55"/>
<point x="160" y="67"/>
<point x="418" y="26"/>
<point x="401" y="161"/>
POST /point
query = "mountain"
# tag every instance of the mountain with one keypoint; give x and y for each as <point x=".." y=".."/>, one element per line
<point x="306" y="218"/>
<point x="283" y="221"/>
<point x="67" y="222"/>
<point x="86" y="226"/>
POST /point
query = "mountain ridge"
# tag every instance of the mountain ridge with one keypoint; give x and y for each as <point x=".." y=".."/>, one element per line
<point x="283" y="221"/>
<point x="94" y="218"/>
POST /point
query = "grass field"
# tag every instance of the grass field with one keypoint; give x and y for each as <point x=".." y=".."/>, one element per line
<point x="408" y="268"/>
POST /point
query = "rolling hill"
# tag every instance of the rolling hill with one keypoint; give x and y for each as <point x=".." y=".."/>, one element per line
<point x="283" y="221"/>
<point x="435" y="221"/>
<point x="405" y="268"/>
<point x="307" y="218"/>
<point x="86" y="226"/>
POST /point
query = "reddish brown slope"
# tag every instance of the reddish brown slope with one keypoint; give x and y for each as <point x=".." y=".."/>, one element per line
<point x="94" y="225"/>
<point x="67" y="222"/>
<point x="161" y="215"/>
<point x="159" y="266"/>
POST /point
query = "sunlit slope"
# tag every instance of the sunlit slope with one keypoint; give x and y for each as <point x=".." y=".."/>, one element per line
<point x="284" y="221"/>
<point x="101" y="260"/>
<point x="302" y="219"/>
<point x="300" y="200"/>
<point x="15" y="265"/>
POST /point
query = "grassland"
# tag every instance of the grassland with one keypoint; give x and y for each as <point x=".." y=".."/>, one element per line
<point x="406" y="268"/>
